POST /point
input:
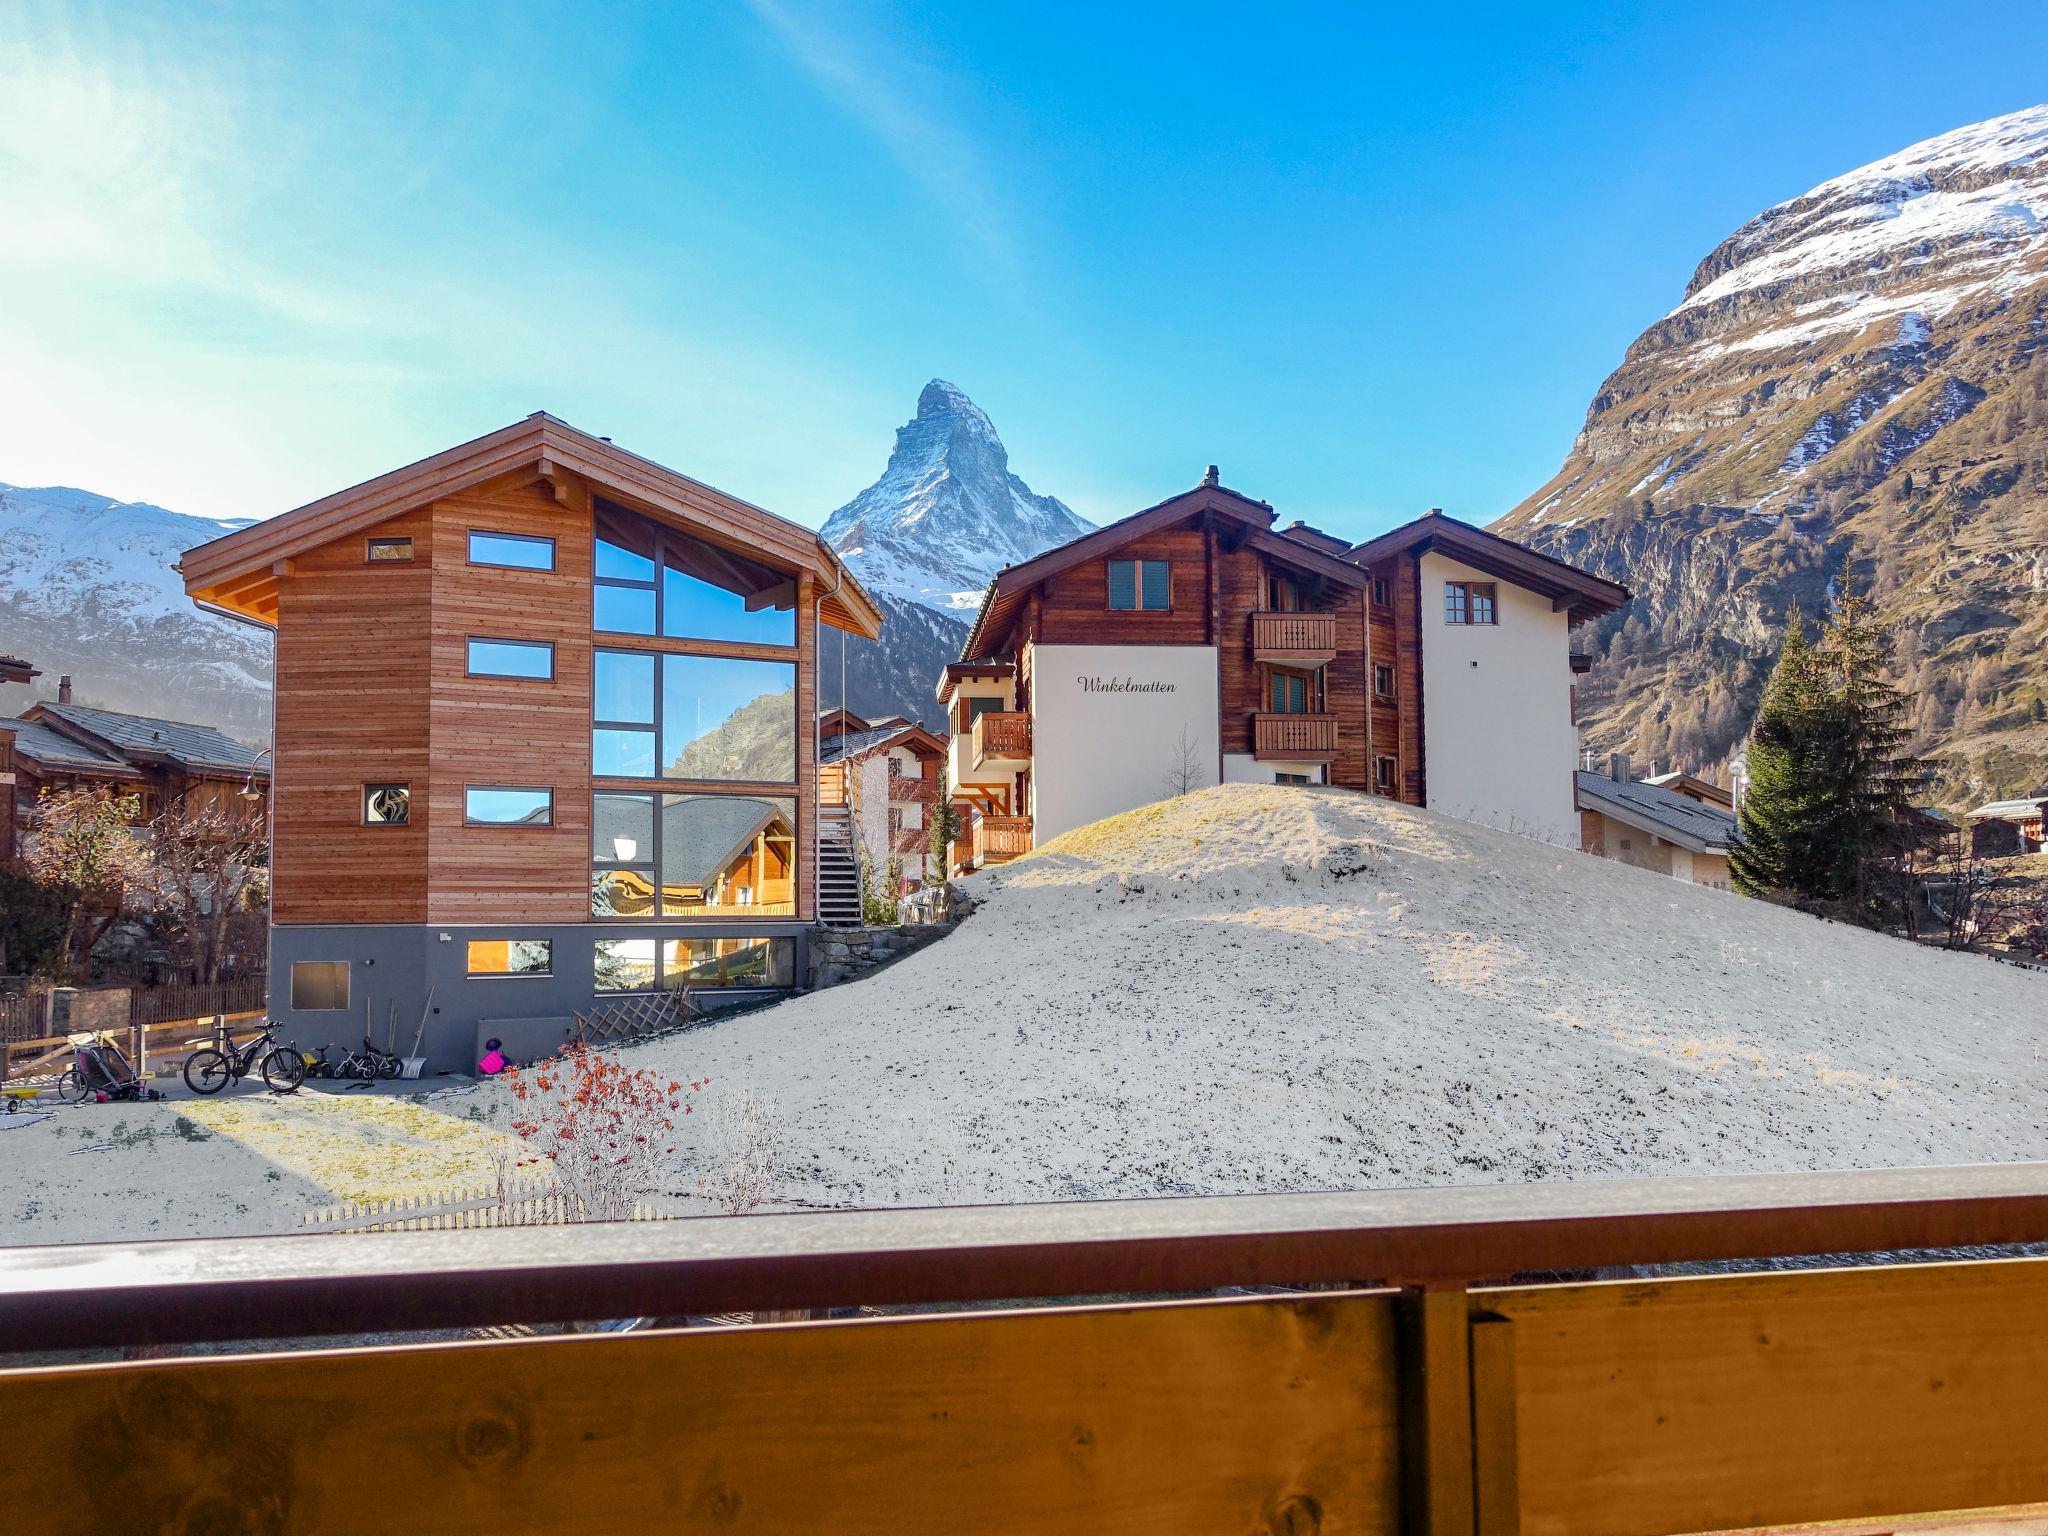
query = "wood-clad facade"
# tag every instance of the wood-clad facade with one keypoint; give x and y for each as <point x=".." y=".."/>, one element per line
<point x="542" y="735"/>
<point x="1194" y="643"/>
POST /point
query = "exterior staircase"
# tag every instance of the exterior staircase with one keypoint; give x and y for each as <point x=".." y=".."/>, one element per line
<point x="838" y="873"/>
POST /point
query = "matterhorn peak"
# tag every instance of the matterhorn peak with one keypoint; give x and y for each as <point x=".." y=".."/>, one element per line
<point x="947" y="514"/>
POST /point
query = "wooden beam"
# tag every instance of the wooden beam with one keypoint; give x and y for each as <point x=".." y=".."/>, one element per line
<point x="1269" y="1415"/>
<point x="1436" y="1413"/>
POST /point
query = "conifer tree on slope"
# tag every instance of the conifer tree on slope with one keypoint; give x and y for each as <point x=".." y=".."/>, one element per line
<point x="1879" y="778"/>
<point x="1783" y="816"/>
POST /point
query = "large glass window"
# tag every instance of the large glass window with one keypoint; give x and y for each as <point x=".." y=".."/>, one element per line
<point x="692" y="856"/>
<point x="520" y="551"/>
<point x="728" y="719"/>
<point x="698" y="964"/>
<point x="716" y="718"/>
<point x="652" y="579"/>
<point x="511" y="658"/>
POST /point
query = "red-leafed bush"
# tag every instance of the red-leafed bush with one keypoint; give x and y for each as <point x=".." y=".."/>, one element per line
<point x="606" y="1128"/>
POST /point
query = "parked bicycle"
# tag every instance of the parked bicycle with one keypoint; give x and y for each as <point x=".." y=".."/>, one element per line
<point x="317" y="1064"/>
<point x="212" y="1067"/>
<point x="368" y="1064"/>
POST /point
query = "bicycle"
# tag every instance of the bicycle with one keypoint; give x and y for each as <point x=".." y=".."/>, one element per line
<point x="213" y="1067"/>
<point x="368" y="1064"/>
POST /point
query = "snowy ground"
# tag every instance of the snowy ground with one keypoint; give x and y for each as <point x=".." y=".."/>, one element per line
<point x="1252" y="988"/>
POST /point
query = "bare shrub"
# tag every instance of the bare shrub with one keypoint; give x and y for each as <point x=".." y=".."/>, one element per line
<point x="742" y="1138"/>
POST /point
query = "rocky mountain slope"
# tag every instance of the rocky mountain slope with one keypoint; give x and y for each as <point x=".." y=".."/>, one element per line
<point x="1857" y="373"/>
<point x="86" y="588"/>
<point x="925" y="538"/>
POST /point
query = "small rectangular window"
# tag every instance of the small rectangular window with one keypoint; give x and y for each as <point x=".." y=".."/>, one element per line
<point x="387" y="805"/>
<point x="511" y="957"/>
<point x="1383" y="681"/>
<point x="1383" y="774"/>
<point x="485" y="805"/>
<point x="519" y="551"/>
<point x="388" y="551"/>
<point x="1292" y="778"/>
<point x="1140" y="585"/>
<point x="1382" y="592"/>
<point x="533" y="659"/>
<point x="319" y="985"/>
<point x="1468" y="602"/>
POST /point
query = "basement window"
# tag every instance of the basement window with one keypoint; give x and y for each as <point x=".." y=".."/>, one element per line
<point x="1292" y="778"/>
<point x="388" y="551"/>
<point x="1469" y="602"/>
<point x="511" y="957"/>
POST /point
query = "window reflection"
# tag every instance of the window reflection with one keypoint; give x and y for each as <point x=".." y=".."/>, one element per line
<point x="709" y="855"/>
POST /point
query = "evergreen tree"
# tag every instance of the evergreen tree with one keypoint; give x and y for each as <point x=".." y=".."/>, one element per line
<point x="1878" y="778"/>
<point x="1782" y="816"/>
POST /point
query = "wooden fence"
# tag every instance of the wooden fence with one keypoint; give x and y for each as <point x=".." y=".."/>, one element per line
<point x="23" y="1017"/>
<point x="521" y="1204"/>
<point x="40" y="1061"/>
<point x="1411" y="1383"/>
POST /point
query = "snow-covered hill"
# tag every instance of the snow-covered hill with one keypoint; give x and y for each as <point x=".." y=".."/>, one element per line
<point x="945" y="516"/>
<point x="87" y="588"/>
<point x="1264" y="988"/>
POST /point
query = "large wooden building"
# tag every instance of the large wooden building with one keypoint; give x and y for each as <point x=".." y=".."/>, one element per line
<point x="543" y="735"/>
<point x="1195" y="643"/>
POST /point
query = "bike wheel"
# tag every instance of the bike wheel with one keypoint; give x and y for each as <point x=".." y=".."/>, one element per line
<point x="71" y="1087"/>
<point x="390" y="1066"/>
<point x="207" y="1071"/>
<point x="284" y="1070"/>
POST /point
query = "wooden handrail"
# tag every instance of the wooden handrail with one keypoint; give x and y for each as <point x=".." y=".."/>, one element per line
<point x="1278" y="735"/>
<point x="1294" y="634"/>
<point x="109" y="1294"/>
<point x="1002" y="733"/>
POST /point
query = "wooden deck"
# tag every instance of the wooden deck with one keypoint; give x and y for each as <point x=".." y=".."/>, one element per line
<point x="1402" y="1386"/>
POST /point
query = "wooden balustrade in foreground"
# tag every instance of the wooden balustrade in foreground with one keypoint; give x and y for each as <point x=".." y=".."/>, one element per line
<point x="1435" y="1393"/>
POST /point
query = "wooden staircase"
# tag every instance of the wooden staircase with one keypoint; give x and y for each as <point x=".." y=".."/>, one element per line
<point x="838" y="872"/>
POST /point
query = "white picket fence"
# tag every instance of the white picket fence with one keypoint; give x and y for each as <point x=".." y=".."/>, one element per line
<point x="517" y="1205"/>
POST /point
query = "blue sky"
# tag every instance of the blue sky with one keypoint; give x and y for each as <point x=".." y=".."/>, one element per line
<point x="1368" y="262"/>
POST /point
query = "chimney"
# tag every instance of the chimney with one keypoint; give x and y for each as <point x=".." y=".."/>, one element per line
<point x="1617" y="767"/>
<point x="1210" y="478"/>
<point x="64" y="689"/>
<point x="1435" y="512"/>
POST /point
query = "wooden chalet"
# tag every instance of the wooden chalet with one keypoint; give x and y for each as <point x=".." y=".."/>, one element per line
<point x="876" y="779"/>
<point x="525" y="690"/>
<point x="163" y="764"/>
<point x="1195" y="642"/>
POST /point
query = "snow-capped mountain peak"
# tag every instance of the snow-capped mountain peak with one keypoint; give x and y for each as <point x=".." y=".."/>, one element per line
<point x="947" y="513"/>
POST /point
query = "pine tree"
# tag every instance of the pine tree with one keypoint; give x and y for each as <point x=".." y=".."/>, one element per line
<point x="1782" y="817"/>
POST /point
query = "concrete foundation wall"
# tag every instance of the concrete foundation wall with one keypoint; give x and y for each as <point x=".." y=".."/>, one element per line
<point x="399" y="962"/>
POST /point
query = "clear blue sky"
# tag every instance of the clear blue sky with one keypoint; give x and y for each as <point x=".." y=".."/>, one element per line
<point x="1367" y="263"/>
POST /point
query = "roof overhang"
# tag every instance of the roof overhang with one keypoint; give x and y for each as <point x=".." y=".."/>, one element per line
<point x="957" y="672"/>
<point x="239" y="572"/>
<point x="1578" y="594"/>
<point x="14" y="670"/>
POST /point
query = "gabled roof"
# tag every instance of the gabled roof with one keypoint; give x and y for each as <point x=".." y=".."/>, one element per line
<point x="1254" y="517"/>
<point x="239" y="572"/>
<point x="143" y="739"/>
<point x="1693" y="787"/>
<point x="877" y="738"/>
<point x="1646" y="807"/>
<point x="2025" y="809"/>
<point x="50" y="749"/>
<point x="1570" y="590"/>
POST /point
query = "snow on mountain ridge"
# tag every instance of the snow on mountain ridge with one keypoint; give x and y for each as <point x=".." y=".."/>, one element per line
<point x="947" y="512"/>
<point x="1966" y="208"/>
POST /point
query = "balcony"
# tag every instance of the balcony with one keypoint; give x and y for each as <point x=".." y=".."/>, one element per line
<point x="1002" y="736"/>
<point x="909" y="791"/>
<point x="1302" y="639"/>
<point x="998" y="839"/>
<point x="1295" y="738"/>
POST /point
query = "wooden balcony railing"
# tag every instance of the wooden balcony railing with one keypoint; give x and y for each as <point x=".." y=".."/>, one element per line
<point x="1419" y="1395"/>
<point x="909" y="791"/>
<point x="1300" y="637"/>
<point x="996" y="839"/>
<point x="1001" y="734"/>
<point x="1297" y="738"/>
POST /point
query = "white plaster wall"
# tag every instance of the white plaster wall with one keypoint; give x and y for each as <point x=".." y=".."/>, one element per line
<point x="1498" y="737"/>
<point x="1243" y="768"/>
<point x="1094" y="754"/>
<point x="960" y="747"/>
